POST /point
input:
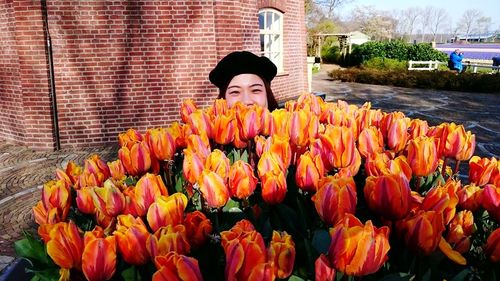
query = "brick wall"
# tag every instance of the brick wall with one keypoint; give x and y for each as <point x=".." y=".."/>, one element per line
<point x="122" y="64"/>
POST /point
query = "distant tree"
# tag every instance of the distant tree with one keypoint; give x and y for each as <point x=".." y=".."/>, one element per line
<point x="313" y="13"/>
<point x="483" y="25"/>
<point x="425" y="19"/>
<point x="330" y="6"/>
<point x="439" y="17"/>
<point x="411" y="15"/>
<point x="325" y="26"/>
<point x="379" y="25"/>
<point x="468" y="21"/>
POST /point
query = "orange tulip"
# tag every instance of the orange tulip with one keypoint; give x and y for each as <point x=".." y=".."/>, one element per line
<point x="225" y="128"/>
<point x="161" y="143"/>
<point x="218" y="162"/>
<point x="55" y="203"/>
<point x="310" y="170"/>
<point x="279" y="147"/>
<point x="443" y="199"/>
<point x="388" y="195"/>
<point x="117" y="170"/>
<point x="481" y="170"/>
<point x="131" y="236"/>
<point x="388" y="119"/>
<point x="241" y="229"/>
<point x="128" y="138"/>
<point x="188" y="106"/>
<point x="491" y="201"/>
<point x="244" y="255"/>
<point x="323" y="269"/>
<point x="370" y="141"/>
<point x="84" y="200"/>
<point x="460" y="230"/>
<point x="238" y="142"/>
<point x="358" y="249"/>
<point x="167" y="239"/>
<point x="422" y="156"/>
<point x="108" y="199"/>
<point x="199" y="144"/>
<point x="248" y="120"/>
<point x="340" y="149"/>
<point x="99" y="256"/>
<point x="213" y="188"/>
<point x="422" y="231"/>
<point x="95" y="165"/>
<point x="367" y="117"/>
<point x="200" y="123"/>
<point x="280" y="124"/>
<point x="470" y="197"/>
<point x="198" y="227"/>
<point x="136" y="159"/>
<point x="146" y="190"/>
<point x="273" y="187"/>
<point x="303" y="127"/>
<point x="71" y="173"/>
<point x="219" y="107"/>
<point x="458" y="144"/>
<point x="270" y="162"/>
<point x="335" y="198"/>
<point x="492" y="248"/>
<point x="378" y="164"/>
<point x="242" y="181"/>
<point x="397" y="134"/>
<point x="281" y="251"/>
<point x="65" y="246"/>
<point x="266" y="121"/>
<point x="418" y="128"/>
<point x="174" y="266"/>
<point x="192" y="165"/>
<point x="179" y="133"/>
<point x="167" y="210"/>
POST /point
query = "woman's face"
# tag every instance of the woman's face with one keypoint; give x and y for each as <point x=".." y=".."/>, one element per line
<point x="248" y="89"/>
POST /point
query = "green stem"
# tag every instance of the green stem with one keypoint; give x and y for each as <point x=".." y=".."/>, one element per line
<point x="457" y="165"/>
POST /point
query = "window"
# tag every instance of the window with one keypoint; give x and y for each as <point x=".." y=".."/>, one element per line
<point x="271" y="36"/>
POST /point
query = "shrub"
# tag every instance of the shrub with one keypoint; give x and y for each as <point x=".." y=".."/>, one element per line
<point x="440" y="80"/>
<point x="385" y="63"/>
<point x="331" y="54"/>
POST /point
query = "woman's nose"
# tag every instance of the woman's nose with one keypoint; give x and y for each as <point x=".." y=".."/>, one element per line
<point x="247" y="99"/>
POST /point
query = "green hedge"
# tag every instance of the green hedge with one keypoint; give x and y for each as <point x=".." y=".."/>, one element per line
<point x="386" y="64"/>
<point x="397" y="50"/>
<point x="439" y="80"/>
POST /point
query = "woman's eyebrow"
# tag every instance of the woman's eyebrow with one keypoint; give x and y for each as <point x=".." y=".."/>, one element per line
<point x="234" y="86"/>
<point x="257" y="84"/>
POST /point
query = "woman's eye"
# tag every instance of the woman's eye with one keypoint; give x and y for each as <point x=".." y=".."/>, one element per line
<point x="257" y="91"/>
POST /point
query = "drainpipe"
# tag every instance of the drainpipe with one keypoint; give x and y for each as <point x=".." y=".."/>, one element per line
<point x="50" y="64"/>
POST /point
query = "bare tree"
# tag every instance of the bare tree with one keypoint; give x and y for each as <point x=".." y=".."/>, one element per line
<point x="483" y="24"/>
<point x="425" y="18"/>
<point x="330" y="6"/>
<point x="379" y="25"/>
<point x="439" y="17"/>
<point x="411" y="14"/>
<point x="468" y="21"/>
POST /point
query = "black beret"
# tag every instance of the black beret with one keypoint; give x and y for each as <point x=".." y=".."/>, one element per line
<point x="237" y="63"/>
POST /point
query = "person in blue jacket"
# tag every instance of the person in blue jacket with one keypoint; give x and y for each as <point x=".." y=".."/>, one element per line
<point x="455" y="62"/>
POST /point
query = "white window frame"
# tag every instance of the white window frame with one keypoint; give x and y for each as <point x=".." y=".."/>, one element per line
<point x="272" y="47"/>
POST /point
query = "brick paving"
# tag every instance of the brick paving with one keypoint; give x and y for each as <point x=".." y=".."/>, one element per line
<point x="23" y="171"/>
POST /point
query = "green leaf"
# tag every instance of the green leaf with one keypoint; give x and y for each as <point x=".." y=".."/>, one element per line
<point x="51" y="274"/>
<point x="244" y="156"/>
<point x="131" y="274"/>
<point x="321" y="240"/>
<point x="400" y="276"/>
<point x="232" y="207"/>
<point x="462" y="275"/>
<point x="32" y="250"/>
<point x="427" y="276"/>
<point x="130" y="181"/>
<point x="295" y="278"/>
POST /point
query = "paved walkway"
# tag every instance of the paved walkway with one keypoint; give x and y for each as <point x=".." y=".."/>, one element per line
<point x="23" y="171"/>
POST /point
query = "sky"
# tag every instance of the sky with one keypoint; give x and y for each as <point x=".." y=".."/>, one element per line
<point x="455" y="8"/>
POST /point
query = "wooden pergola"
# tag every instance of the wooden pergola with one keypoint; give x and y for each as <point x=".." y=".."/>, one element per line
<point x="344" y="42"/>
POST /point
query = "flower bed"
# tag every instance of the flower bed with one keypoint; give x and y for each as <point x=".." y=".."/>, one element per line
<point x="324" y="191"/>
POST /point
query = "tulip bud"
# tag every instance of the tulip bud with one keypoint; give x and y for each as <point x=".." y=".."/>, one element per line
<point x="335" y="198"/>
<point x="167" y="210"/>
<point x="131" y="235"/>
<point x="242" y="181"/>
<point x="282" y="252"/>
<point x="491" y="201"/>
<point x="492" y="248"/>
<point x="388" y="195"/>
<point x="422" y="156"/>
<point x="213" y="188"/>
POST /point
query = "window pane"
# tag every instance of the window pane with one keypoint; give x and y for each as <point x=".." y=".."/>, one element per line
<point x="262" y="42"/>
<point x="276" y="43"/>
<point x="261" y="21"/>
<point x="269" y="20"/>
<point x="276" y="23"/>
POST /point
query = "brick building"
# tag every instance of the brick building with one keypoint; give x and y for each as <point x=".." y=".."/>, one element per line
<point x="121" y="64"/>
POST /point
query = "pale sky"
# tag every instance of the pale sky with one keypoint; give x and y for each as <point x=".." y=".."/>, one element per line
<point x="455" y="8"/>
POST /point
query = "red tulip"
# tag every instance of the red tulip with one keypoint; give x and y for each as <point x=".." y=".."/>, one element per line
<point x="483" y="170"/>
<point x="397" y="134"/>
<point x="55" y="203"/>
<point x="213" y="188"/>
<point x="198" y="227"/>
<point x="99" y="257"/>
<point x="174" y="266"/>
<point x="136" y="159"/>
<point x="323" y="270"/>
<point x="200" y="123"/>
<point x="244" y="256"/>
<point x="303" y="127"/>
<point x="388" y="195"/>
<point x="491" y="201"/>
<point x="248" y="120"/>
<point x="146" y="190"/>
<point x="492" y="248"/>
<point x="460" y="230"/>
<point x="422" y="156"/>
<point x="282" y="252"/>
<point x="418" y="128"/>
<point x="335" y="198"/>
<point x="443" y="199"/>
<point x="167" y="239"/>
<point x="131" y="236"/>
<point x="167" y="210"/>
<point x="65" y="246"/>
<point x="358" y="249"/>
<point x="340" y="149"/>
<point x="422" y="231"/>
<point x="458" y="143"/>
<point x="242" y="181"/>
<point x="108" y="199"/>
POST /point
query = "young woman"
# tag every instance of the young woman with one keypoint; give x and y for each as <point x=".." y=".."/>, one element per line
<point x="245" y="77"/>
